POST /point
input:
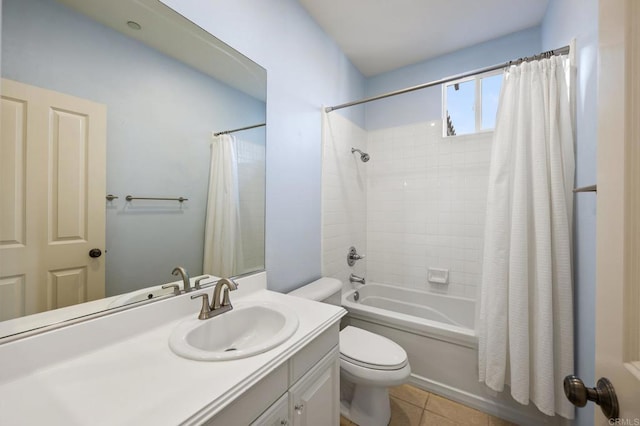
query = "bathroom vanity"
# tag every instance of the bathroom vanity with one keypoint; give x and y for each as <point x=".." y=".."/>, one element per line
<point x="119" y="369"/>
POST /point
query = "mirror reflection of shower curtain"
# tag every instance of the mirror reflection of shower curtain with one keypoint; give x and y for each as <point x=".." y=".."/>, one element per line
<point x="222" y="242"/>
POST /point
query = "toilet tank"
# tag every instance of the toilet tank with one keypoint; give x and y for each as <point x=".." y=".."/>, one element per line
<point x="328" y="290"/>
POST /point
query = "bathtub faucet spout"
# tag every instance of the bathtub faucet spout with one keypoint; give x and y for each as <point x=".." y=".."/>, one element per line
<point x="356" y="279"/>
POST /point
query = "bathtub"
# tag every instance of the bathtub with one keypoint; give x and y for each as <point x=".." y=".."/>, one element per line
<point x="432" y="315"/>
<point x="438" y="333"/>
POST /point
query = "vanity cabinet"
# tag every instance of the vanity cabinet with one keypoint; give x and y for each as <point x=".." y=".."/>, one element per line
<point x="311" y="401"/>
<point x="315" y="399"/>
<point x="304" y="391"/>
<point x="276" y="415"/>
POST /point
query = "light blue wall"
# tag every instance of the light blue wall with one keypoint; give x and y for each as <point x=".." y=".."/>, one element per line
<point x="426" y="104"/>
<point x="305" y="69"/>
<point x="160" y="114"/>
<point x="564" y="20"/>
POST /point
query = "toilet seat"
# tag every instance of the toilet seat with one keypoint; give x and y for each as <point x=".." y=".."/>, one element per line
<point x="369" y="350"/>
<point x="371" y="377"/>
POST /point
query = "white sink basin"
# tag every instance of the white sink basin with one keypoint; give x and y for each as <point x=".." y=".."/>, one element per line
<point x="247" y="330"/>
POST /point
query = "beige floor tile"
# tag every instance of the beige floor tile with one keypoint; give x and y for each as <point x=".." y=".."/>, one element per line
<point x="345" y="422"/>
<point x="496" y="421"/>
<point x="406" y="401"/>
<point x="433" y="419"/>
<point x="404" y="414"/>
<point x="456" y="412"/>
<point x="410" y="394"/>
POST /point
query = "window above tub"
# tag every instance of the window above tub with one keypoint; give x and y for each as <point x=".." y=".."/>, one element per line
<point x="470" y="105"/>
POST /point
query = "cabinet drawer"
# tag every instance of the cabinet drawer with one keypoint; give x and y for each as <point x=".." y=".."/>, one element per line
<point x="311" y="354"/>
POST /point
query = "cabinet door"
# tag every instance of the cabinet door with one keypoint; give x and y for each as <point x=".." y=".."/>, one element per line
<point x="315" y="398"/>
<point x="276" y="415"/>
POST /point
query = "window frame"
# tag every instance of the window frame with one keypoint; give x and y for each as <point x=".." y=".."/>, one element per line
<point x="477" y="104"/>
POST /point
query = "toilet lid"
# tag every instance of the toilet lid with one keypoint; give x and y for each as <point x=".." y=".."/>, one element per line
<point x="370" y="350"/>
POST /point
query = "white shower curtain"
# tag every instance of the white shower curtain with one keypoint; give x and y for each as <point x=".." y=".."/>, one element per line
<point x="526" y="308"/>
<point x="222" y="243"/>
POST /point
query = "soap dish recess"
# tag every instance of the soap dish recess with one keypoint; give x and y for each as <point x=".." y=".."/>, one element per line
<point x="438" y="276"/>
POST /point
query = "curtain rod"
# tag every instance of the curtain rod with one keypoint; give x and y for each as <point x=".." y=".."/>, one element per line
<point x="561" y="51"/>
<point x="226" y="132"/>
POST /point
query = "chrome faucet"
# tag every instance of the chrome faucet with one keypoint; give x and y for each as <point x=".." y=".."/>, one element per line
<point x="356" y="279"/>
<point x="231" y="285"/>
<point x="210" y="310"/>
<point x="185" y="277"/>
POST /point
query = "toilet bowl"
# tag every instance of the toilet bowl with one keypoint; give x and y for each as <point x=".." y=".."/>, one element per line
<point x="369" y="363"/>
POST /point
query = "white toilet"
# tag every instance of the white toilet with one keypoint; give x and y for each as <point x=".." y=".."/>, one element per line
<point x="369" y="363"/>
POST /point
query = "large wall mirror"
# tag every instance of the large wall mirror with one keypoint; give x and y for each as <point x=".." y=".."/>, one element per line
<point x="107" y="99"/>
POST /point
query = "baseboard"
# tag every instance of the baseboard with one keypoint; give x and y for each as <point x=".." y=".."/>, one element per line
<point x="495" y="408"/>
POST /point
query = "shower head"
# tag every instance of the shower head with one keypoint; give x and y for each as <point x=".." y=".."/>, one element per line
<point x="363" y="155"/>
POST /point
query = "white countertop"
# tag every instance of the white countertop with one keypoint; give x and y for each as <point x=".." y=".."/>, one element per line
<point x="138" y="379"/>
<point x="55" y="316"/>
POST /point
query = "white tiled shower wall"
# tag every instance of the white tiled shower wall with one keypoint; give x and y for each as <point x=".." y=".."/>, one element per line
<point x="344" y="202"/>
<point x="419" y="203"/>
<point x="426" y="203"/>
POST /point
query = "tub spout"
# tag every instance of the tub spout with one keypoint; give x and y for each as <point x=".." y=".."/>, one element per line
<point x="356" y="279"/>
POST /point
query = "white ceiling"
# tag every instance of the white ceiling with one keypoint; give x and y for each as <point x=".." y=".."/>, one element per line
<point x="382" y="35"/>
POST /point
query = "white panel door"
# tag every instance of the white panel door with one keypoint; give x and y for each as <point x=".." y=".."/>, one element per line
<point x="52" y="181"/>
<point x="618" y="207"/>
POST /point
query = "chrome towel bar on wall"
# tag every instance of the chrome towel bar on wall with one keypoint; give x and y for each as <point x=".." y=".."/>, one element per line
<point x="131" y="197"/>
<point x="590" y="188"/>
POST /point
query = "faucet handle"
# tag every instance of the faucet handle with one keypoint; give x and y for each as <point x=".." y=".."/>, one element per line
<point x="176" y="288"/>
<point x="205" y="311"/>
<point x="198" y="287"/>
<point x="353" y="255"/>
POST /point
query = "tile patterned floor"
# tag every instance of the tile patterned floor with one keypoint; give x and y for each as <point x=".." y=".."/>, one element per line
<point x="411" y="406"/>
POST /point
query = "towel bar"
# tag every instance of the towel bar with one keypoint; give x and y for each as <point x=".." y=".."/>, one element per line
<point x="590" y="188"/>
<point x="131" y="197"/>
